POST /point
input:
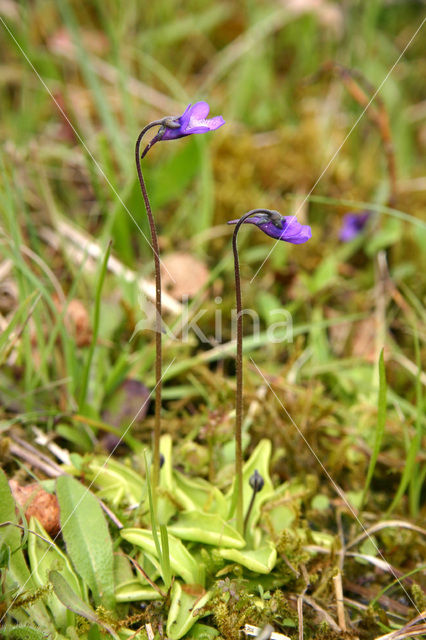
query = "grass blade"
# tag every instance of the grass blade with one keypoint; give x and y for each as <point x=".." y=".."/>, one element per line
<point x="152" y="511"/>
<point x="411" y="476"/>
<point x="381" y="423"/>
<point x="417" y="476"/>
<point x="167" y="574"/>
<point x="86" y="372"/>
<point x="163" y="547"/>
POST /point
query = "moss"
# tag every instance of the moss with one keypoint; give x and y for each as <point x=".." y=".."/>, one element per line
<point x="369" y="626"/>
<point x="291" y="545"/>
<point x="419" y="597"/>
<point x="27" y="598"/>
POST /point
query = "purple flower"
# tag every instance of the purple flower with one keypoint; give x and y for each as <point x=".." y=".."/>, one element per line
<point x="353" y="224"/>
<point x="193" y="120"/>
<point x="280" y="227"/>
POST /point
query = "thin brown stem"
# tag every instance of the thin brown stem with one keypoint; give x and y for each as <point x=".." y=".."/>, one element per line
<point x="249" y="510"/>
<point x="158" y="334"/>
<point x="239" y="375"/>
<point x="363" y="92"/>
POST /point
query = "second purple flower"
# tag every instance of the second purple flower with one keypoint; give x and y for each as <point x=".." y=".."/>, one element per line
<point x="285" y="228"/>
<point x="353" y="224"/>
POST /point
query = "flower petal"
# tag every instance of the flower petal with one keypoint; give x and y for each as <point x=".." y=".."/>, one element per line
<point x="193" y="120"/>
<point x="184" y="119"/>
<point x="292" y="230"/>
<point x="200" y="111"/>
<point x="205" y="125"/>
<point x="215" y="123"/>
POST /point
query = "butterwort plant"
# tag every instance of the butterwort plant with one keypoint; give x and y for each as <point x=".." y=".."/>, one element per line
<point x="287" y="229"/>
<point x="193" y="120"/>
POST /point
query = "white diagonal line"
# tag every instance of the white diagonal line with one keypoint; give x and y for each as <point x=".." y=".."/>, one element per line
<point x="346" y="137"/>
<point x="336" y="487"/>
<point x="20" y="590"/>
<point x="80" y="139"/>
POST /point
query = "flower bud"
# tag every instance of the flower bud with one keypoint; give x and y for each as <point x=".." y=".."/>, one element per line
<point x="256" y="481"/>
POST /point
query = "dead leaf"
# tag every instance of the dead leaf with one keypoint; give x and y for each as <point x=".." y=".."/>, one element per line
<point x="129" y="403"/>
<point x="328" y="14"/>
<point x="77" y="321"/>
<point x="194" y="590"/>
<point x="61" y="42"/>
<point x="35" y="501"/>
<point x="364" y="339"/>
<point x="183" y="275"/>
<point x="66" y="131"/>
<point x="8" y="296"/>
<point x="338" y="333"/>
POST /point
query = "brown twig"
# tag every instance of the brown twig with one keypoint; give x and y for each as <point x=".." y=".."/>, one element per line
<point x="145" y="575"/>
<point x="338" y="591"/>
<point x="408" y="630"/>
<point x="363" y="93"/>
<point x="39" y="460"/>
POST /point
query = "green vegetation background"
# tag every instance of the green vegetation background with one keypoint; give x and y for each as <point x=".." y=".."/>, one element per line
<point x="79" y="81"/>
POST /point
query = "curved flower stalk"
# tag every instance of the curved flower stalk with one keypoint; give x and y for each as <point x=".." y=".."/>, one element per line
<point x="285" y="228"/>
<point x="193" y="120"/>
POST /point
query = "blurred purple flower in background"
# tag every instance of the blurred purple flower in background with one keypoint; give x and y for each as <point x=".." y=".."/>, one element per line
<point x="353" y="224"/>
<point x="280" y="227"/>
<point x="193" y="120"/>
